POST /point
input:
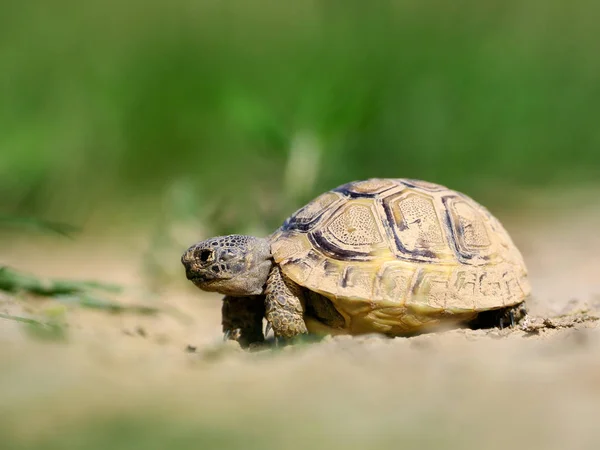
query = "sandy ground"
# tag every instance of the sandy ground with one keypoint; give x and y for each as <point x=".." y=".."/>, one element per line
<point x="130" y="381"/>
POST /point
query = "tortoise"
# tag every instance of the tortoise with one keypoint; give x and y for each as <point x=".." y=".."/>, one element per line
<point x="387" y="256"/>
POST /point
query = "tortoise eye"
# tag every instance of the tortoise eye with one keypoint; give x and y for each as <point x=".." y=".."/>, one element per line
<point x="205" y="255"/>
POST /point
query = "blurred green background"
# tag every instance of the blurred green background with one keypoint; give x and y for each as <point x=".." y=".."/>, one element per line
<point x="232" y="114"/>
<point x="240" y="111"/>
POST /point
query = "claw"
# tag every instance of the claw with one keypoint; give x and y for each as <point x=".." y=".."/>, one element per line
<point x="226" y="335"/>
<point x="267" y="329"/>
<point x="502" y="323"/>
<point x="512" y="318"/>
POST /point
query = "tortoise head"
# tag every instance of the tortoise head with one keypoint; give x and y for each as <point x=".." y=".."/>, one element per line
<point x="234" y="265"/>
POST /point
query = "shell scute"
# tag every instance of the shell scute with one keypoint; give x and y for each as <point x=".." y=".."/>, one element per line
<point x="356" y="226"/>
<point x="417" y="230"/>
<point x="357" y="282"/>
<point x="394" y="282"/>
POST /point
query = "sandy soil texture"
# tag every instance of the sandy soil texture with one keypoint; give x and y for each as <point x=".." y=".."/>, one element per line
<point x="167" y="379"/>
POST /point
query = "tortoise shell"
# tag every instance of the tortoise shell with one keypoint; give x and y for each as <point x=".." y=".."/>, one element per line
<point x="394" y="255"/>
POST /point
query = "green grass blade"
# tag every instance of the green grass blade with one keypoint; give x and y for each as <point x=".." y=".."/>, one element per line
<point x="39" y="225"/>
<point x="89" y="301"/>
<point x="16" y="281"/>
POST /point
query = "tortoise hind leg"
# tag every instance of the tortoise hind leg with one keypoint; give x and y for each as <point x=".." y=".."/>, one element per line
<point x="320" y="307"/>
<point x="283" y="306"/>
<point x="510" y="316"/>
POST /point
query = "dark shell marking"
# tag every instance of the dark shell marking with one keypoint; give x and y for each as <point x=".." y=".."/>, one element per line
<point x="305" y="218"/>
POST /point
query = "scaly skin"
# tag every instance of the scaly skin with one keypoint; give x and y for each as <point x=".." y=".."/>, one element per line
<point x="284" y="309"/>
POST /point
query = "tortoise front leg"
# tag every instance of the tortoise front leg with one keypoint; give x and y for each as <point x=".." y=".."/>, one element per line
<point x="284" y="309"/>
<point x="242" y="319"/>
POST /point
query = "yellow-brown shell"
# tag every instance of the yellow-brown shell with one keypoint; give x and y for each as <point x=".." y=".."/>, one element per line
<point x="394" y="255"/>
